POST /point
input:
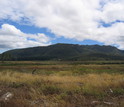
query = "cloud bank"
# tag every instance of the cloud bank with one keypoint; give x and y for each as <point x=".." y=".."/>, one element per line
<point x="11" y="37"/>
<point x="99" y="20"/>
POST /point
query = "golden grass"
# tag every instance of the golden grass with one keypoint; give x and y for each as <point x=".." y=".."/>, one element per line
<point x="56" y="84"/>
<point x="87" y="80"/>
<point x="59" y="89"/>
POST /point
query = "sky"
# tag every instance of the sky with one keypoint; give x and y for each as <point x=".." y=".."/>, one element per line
<point x="44" y="22"/>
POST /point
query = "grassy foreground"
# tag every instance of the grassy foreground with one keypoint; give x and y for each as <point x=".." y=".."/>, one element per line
<point x="62" y="85"/>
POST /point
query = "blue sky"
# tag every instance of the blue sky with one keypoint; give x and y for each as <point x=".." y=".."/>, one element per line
<point x="49" y="22"/>
<point x="33" y="30"/>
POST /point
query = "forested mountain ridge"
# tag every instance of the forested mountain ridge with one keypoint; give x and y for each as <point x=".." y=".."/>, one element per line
<point x="65" y="52"/>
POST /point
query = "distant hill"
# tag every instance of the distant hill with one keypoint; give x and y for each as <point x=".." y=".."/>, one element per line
<point x="65" y="52"/>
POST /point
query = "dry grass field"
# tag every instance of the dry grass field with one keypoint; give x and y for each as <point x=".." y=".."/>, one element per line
<point x="62" y="84"/>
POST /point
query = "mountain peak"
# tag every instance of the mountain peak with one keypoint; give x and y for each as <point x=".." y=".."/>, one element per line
<point x="67" y="52"/>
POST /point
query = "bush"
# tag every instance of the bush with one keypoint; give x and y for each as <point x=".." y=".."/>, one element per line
<point x="51" y="89"/>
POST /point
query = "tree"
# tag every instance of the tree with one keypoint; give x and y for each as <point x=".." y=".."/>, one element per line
<point x="6" y="57"/>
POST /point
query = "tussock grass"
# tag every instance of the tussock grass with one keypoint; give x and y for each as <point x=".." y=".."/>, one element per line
<point x="86" y="81"/>
<point x="62" y="85"/>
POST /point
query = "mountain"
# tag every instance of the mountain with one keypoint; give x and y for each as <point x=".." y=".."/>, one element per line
<point x="65" y="52"/>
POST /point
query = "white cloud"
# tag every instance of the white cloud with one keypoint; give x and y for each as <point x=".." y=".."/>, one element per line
<point x="113" y="11"/>
<point x="11" y="37"/>
<point x="74" y="19"/>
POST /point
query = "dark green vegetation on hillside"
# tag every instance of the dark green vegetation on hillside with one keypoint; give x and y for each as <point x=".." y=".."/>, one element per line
<point x="65" y="52"/>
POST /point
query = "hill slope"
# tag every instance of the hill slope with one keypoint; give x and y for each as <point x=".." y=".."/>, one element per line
<point x="65" y="52"/>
